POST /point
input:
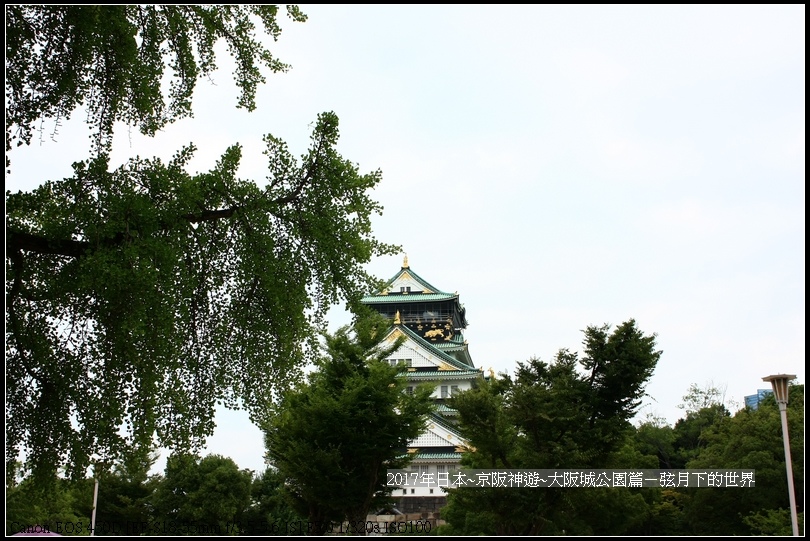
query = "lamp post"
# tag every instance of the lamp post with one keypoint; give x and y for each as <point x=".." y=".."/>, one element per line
<point x="95" y="504"/>
<point x="779" y="382"/>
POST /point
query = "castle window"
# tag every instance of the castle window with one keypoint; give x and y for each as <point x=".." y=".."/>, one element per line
<point x="444" y="391"/>
<point x="394" y="362"/>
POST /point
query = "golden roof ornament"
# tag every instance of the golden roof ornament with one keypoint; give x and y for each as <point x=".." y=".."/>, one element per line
<point x="405" y="262"/>
<point x="491" y="373"/>
<point x="397" y="321"/>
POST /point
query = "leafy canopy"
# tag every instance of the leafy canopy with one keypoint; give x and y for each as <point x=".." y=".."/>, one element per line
<point x="112" y="60"/>
<point x="333" y="438"/>
<point x="139" y="298"/>
<point x="572" y="413"/>
<point x="751" y="439"/>
<point x="209" y="493"/>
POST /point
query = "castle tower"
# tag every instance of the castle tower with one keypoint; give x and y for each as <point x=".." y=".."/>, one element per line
<point x="432" y="322"/>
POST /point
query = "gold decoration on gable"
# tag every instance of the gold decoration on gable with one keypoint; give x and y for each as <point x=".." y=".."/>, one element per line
<point x="445" y="366"/>
<point x="396" y="333"/>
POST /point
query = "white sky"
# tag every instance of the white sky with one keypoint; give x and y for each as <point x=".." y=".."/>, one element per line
<point x="558" y="166"/>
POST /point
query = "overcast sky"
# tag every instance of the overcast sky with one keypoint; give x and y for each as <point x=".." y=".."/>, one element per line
<point x="559" y="167"/>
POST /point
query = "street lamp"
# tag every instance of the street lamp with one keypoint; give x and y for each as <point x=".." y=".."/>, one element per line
<point x="779" y="382"/>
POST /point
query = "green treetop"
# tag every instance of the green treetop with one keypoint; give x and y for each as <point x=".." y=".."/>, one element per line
<point x="333" y="438"/>
<point x="572" y="413"/>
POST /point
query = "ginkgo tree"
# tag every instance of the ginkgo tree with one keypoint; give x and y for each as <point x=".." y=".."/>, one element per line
<point x="139" y="297"/>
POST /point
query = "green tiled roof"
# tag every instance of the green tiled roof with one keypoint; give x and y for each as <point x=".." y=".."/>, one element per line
<point x="434" y="418"/>
<point x="410" y="297"/>
<point x="444" y="409"/>
<point x="437" y="456"/>
<point x="457" y="348"/>
<point x="443" y="374"/>
<point x="448" y="345"/>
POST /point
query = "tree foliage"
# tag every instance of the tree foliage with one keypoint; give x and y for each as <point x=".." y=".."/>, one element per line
<point x="140" y="297"/>
<point x="572" y="413"/>
<point x="270" y="511"/>
<point x="210" y="493"/>
<point x="751" y="439"/>
<point x="63" y="506"/>
<point x="654" y="437"/>
<point x="709" y="437"/>
<point x="333" y="438"/>
<point x="124" y="495"/>
<point x="113" y="60"/>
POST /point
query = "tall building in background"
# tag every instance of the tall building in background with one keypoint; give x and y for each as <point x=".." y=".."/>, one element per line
<point x="753" y="400"/>
<point x="435" y="351"/>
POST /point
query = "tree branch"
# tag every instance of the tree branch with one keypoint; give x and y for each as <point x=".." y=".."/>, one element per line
<point x="17" y="241"/>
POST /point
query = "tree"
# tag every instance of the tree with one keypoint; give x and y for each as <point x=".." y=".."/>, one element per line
<point x="270" y="511"/>
<point x="698" y="398"/>
<point x="655" y="437"/>
<point x="142" y="296"/>
<point x="333" y="438"/>
<point x="207" y="495"/>
<point x="573" y="413"/>
<point x="708" y="437"/>
<point x="751" y="439"/>
<point x="690" y="432"/>
<point x="124" y="495"/>
<point x="61" y="506"/>
<point x="112" y="60"/>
